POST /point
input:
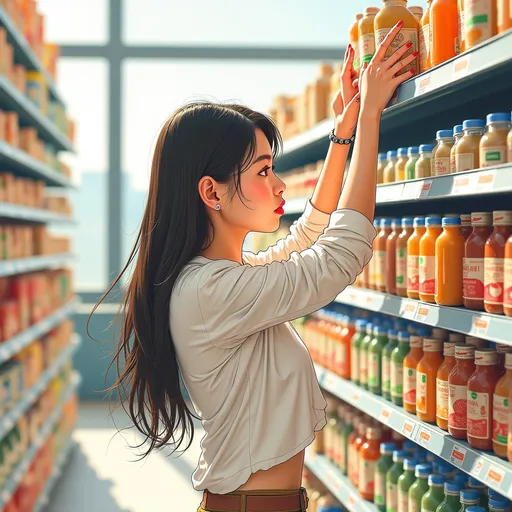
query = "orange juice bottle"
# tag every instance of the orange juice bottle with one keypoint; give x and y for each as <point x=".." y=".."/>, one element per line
<point x="480" y="21"/>
<point x="401" y="256"/>
<point x="507" y="278"/>
<point x="458" y="132"/>
<point x="391" y="241"/>
<point x="400" y="164"/>
<point x="343" y="357"/>
<point x="380" y="255"/>
<point x="413" y="253"/>
<point x="366" y="34"/>
<point x="504" y="15"/>
<point x="391" y="13"/>
<point x="411" y="361"/>
<point x="441" y="154"/>
<point x="382" y="162"/>
<point x="389" y="171"/>
<point x="426" y="375"/>
<point x="501" y="409"/>
<point x="372" y="284"/>
<point x="427" y="260"/>
<point x="461" y="32"/>
<point x="354" y="37"/>
<point x="465" y="225"/>
<point x="418" y="12"/>
<point x="442" y="385"/>
<point x="368" y="457"/>
<point x="448" y="263"/>
<point x="424" y="39"/>
<point x="444" y="26"/>
<point x="467" y="152"/>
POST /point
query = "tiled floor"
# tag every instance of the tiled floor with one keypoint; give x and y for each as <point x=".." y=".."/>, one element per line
<point x="103" y="475"/>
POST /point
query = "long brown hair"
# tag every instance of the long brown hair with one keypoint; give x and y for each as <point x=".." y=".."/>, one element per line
<point x="200" y="139"/>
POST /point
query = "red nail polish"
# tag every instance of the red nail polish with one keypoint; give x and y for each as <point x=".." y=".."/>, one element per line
<point x="412" y="71"/>
<point x="415" y="54"/>
<point x="400" y="23"/>
<point x="408" y="44"/>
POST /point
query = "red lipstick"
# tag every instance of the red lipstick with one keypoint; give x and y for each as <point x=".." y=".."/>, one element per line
<point x="280" y="210"/>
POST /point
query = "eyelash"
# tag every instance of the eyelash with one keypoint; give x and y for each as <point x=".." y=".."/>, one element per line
<point x="266" y="169"/>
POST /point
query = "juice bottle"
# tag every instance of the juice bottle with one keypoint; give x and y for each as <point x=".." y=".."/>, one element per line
<point x="442" y="385"/>
<point x="477" y="342"/>
<point x="343" y="357"/>
<point x="426" y="374"/>
<point x="444" y="29"/>
<point x="418" y="12"/>
<point x="467" y="152"/>
<point x="423" y="166"/>
<point x="501" y="408"/>
<point x="455" y="337"/>
<point x="380" y="254"/>
<point x="440" y="334"/>
<point x="507" y="278"/>
<point x="494" y="264"/>
<point x="411" y="361"/>
<point x="367" y="35"/>
<point x="397" y="367"/>
<point x="480" y="395"/>
<point x="413" y="253"/>
<point x="368" y="457"/>
<point x="435" y="495"/>
<point x="499" y="505"/>
<point x="354" y="36"/>
<point x="373" y="261"/>
<point x="473" y="265"/>
<point x="442" y="151"/>
<point x="469" y="498"/>
<point x="481" y="22"/>
<point x="400" y="164"/>
<point x="457" y="135"/>
<point x="392" y="477"/>
<point x="449" y="254"/>
<point x="465" y="225"/>
<point x="475" y="484"/>
<point x="383" y="466"/>
<point x="391" y="13"/>
<point x="344" y="434"/>
<point x="375" y="349"/>
<point x="457" y="389"/>
<point x="386" y="363"/>
<point x="405" y="480"/>
<point x="504" y="15"/>
<point x="352" y="468"/>
<point x="410" y="447"/>
<point x="451" y="502"/>
<point x="363" y="356"/>
<point x="381" y="165"/>
<point x="391" y="241"/>
<point x="461" y="479"/>
<point x="389" y="171"/>
<point x="427" y="260"/>
<point x="354" y="448"/>
<point x="401" y="256"/>
<point x="424" y="39"/>
<point x="413" y="155"/>
<point x="502" y="351"/>
<point x="355" y="348"/>
<point x="420" y="487"/>
<point x="493" y="144"/>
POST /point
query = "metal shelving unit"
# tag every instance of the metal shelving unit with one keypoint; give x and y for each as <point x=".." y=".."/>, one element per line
<point x="23" y="265"/>
<point x="489" y="469"/>
<point x="35" y="215"/>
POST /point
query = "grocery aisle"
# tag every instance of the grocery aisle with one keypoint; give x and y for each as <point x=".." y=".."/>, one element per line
<point x="102" y="477"/>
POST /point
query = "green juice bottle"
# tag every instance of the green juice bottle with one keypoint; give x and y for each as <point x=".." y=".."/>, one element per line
<point x="392" y="477"/>
<point x="469" y="498"/>
<point x="363" y="356"/>
<point x="499" y="505"/>
<point x="386" y="363"/>
<point x="435" y="495"/>
<point x="420" y="487"/>
<point x="355" y="350"/>
<point x="397" y="367"/>
<point x="451" y="502"/>
<point x="473" y="483"/>
<point x="375" y="349"/>
<point x="406" y="479"/>
<point x="383" y="466"/>
<point x="345" y="430"/>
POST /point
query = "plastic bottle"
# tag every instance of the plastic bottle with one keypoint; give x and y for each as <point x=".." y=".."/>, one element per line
<point x="375" y="349"/>
<point x="423" y="166"/>
<point x="389" y="171"/>
<point x="502" y="351"/>
<point x="418" y="13"/>
<point x="494" y="261"/>
<point x="357" y="445"/>
<point x="424" y="39"/>
<point x="413" y="254"/>
<point x="481" y="22"/>
<point x="353" y="36"/>
<point x="401" y="256"/>
<point x="427" y="260"/>
<point x="442" y="385"/>
<point x="493" y="144"/>
<point x="504" y="15"/>
<point x="405" y="480"/>
<point x="363" y="356"/>
<point x="457" y="135"/>
<point x="507" y="278"/>
<point x="473" y="483"/>
<point x="462" y="479"/>
<point x="368" y="457"/>
<point x="400" y="164"/>
<point x="413" y="154"/>
<point x="373" y="260"/>
<point x="380" y="254"/>
<point x="444" y="29"/>
<point x="461" y="33"/>
<point x="469" y="498"/>
<point x="383" y="466"/>
<point x="480" y="395"/>
<point x="355" y="349"/>
<point x="477" y="342"/>
<point x="386" y="363"/>
<point x="392" y="477"/>
<point x="467" y="152"/>
<point x="465" y="225"/>
<point x="440" y="334"/>
<point x="435" y="495"/>
<point x="441" y="153"/>
<point x="457" y="388"/>
<point x="501" y="410"/>
<point x="426" y="373"/>
<point x="411" y="361"/>
<point x="419" y="488"/>
<point x="499" y="505"/>
<point x="348" y="331"/>
<point x="367" y="35"/>
<point x="351" y="451"/>
<point x="381" y="165"/>
<point x="456" y="337"/>
<point x="451" y="502"/>
<point x="397" y="367"/>
<point x="390" y="277"/>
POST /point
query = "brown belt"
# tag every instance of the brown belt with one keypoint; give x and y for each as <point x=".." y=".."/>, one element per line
<point x="256" y="501"/>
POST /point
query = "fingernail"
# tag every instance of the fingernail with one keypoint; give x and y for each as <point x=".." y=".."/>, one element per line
<point x="408" y="44"/>
<point x="400" y="23"/>
<point x="349" y="46"/>
<point x="415" y="54"/>
<point x="412" y="71"/>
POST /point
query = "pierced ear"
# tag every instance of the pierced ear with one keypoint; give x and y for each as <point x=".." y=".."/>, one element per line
<point x="208" y="191"/>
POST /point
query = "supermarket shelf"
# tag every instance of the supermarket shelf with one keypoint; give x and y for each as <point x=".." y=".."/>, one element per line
<point x="339" y="485"/>
<point x="28" y="214"/>
<point x="29" y="115"/>
<point x="22" y="265"/>
<point x="16" y="160"/>
<point x="31" y="395"/>
<point x="485" y="467"/>
<point x="58" y="469"/>
<point x="19" y="472"/>
<point x="11" y="347"/>
<point x="23" y="54"/>
<point x="475" y="323"/>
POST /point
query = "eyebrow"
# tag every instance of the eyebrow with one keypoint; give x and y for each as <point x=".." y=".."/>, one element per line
<point x="262" y="157"/>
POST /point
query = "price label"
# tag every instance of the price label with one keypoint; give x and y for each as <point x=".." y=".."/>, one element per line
<point x="352" y="297"/>
<point x="426" y="185"/>
<point x="369" y="299"/>
<point x="337" y="485"/>
<point x="352" y="500"/>
<point x="494" y="476"/>
<point x="329" y="381"/>
<point x="422" y="313"/>
<point x="408" y="309"/>
<point x="478" y="467"/>
<point x="485" y="181"/>
<point x="422" y="85"/>
<point x="480" y="326"/>
<point x="356" y="397"/>
<point x="408" y="429"/>
<point x="461" y="67"/>
<point x="385" y="415"/>
<point x="389" y="193"/>
<point x="461" y="184"/>
<point x="424" y="438"/>
<point x="458" y="455"/>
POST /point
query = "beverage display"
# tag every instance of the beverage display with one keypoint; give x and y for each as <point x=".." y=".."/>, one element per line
<point x="420" y="487"/>
<point x="413" y="258"/>
<point x="426" y="375"/>
<point x="467" y="152"/>
<point x="392" y="477"/>
<point x="493" y="144"/>
<point x="465" y="225"/>
<point x="457" y="135"/>
<point x="469" y="498"/>
<point x="425" y="39"/>
<point x="423" y="166"/>
<point x="355" y="348"/>
<point x="386" y="363"/>
<point x="413" y="154"/>
<point x="427" y="259"/>
<point x="400" y="164"/>
<point x="410" y="364"/>
<point x="435" y="494"/>
<point x="397" y="367"/>
<point x="441" y="153"/>
<point x="391" y="256"/>
<point x="405" y="480"/>
<point x="354" y="36"/>
<point x="451" y="502"/>
<point x="380" y="254"/>
<point x="444" y="30"/>
<point x="383" y="466"/>
<point x="480" y="22"/>
<point x="442" y="385"/>
<point x="401" y="256"/>
<point x="375" y="349"/>
<point x="363" y="356"/>
<point x="389" y="171"/>
<point x="382" y="162"/>
<point x="368" y="457"/>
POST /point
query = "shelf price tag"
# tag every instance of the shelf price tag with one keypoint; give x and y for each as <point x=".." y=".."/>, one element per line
<point x="385" y="415"/>
<point x="408" y="429"/>
<point x="424" y="438"/>
<point x="422" y="85"/>
<point x="485" y="181"/>
<point x="408" y="309"/>
<point x="494" y="476"/>
<point x="356" y="397"/>
<point x="478" y="467"/>
<point x="480" y="326"/>
<point x="351" y="502"/>
<point x="422" y="313"/>
<point x="461" y="67"/>
<point x="458" y="455"/>
<point x="462" y="184"/>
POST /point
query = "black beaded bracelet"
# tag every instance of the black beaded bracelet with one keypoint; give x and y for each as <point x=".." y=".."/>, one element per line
<point x="335" y="139"/>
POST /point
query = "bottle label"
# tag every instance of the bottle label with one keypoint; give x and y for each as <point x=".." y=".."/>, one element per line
<point x="363" y="367"/>
<point x="386" y="375"/>
<point x="473" y="280"/>
<point x="414" y="506"/>
<point x="353" y="463"/>
<point x="397" y="379"/>
<point x="453" y="162"/>
<point x="401" y="268"/>
<point x="421" y="392"/>
<point x="442" y="399"/>
<point x="478" y="414"/>
<point x="366" y="47"/>
<point x="413" y="273"/>
<point x="380" y="268"/>
<point x="427" y="274"/>
<point x="457" y="407"/>
<point x="441" y="166"/>
<point x="342" y="358"/>
<point x="493" y="280"/>
<point x="500" y="420"/>
<point x="366" y="476"/>
<point x="391" y="497"/>
<point x="354" y="364"/>
<point x="409" y="386"/>
<point x="507" y="282"/>
<point x="461" y="36"/>
<point x="492" y="155"/>
<point x="374" y="371"/>
<point x="406" y="35"/>
<point x="380" y="488"/>
<point x="424" y="43"/>
<point x="342" y="453"/>
<point x="403" y="501"/>
<point x="465" y="162"/>
<point x="478" y="20"/>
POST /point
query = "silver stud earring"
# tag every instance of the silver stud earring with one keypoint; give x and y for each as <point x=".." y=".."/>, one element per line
<point x="217" y="207"/>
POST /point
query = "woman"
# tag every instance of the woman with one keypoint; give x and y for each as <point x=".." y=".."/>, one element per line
<point x="198" y="303"/>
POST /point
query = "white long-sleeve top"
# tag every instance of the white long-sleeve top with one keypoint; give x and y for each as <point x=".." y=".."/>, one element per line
<point x="249" y="375"/>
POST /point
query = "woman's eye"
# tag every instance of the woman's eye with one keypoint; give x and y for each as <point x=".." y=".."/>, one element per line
<point x="264" y="172"/>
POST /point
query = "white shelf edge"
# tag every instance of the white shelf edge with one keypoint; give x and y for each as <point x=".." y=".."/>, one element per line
<point x="22" y="265"/>
<point x="27" y="213"/>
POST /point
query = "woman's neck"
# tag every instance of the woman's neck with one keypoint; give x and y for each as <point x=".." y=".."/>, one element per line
<point x="226" y="245"/>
